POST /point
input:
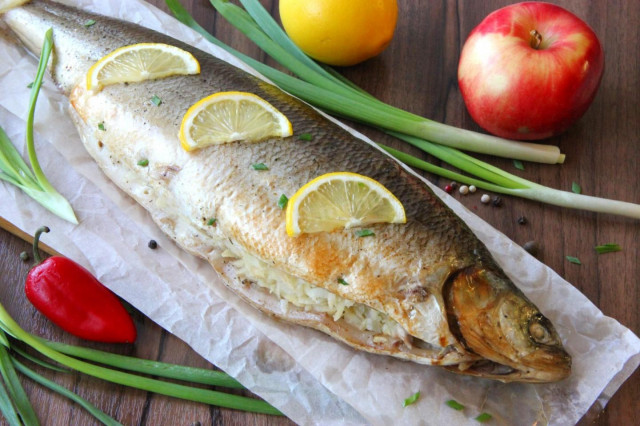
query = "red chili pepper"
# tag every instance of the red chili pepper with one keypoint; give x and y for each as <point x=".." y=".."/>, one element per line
<point x="75" y="300"/>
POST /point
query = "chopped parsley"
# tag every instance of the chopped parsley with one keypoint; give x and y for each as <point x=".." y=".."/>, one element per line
<point x="518" y="164"/>
<point x="455" y="405"/>
<point x="305" y="137"/>
<point x="259" y="166"/>
<point x="89" y="23"/>
<point x="364" y="233"/>
<point x="101" y="126"/>
<point x="143" y="163"/>
<point x="576" y="188"/>
<point x="342" y="281"/>
<point x="282" y="201"/>
<point x="413" y="398"/>
<point x="156" y="100"/>
<point x="212" y="221"/>
<point x="607" y="248"/>
<point x="573" y="259"/>
<point x="484" y="417"/>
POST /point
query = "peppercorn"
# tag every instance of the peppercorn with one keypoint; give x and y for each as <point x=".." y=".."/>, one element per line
<point x="532" y="248"/>
<point x="464" y="190"/>
<point x="448" y="189"/>
<point x="522" y="220"/>
<point x="24" y="256"/>
<point x="152" y="244"/>
<point x="497" y="201"/>
<point x="485" y="198"/>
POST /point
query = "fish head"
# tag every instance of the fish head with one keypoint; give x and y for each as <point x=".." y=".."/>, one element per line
<point x="496" y="321"/>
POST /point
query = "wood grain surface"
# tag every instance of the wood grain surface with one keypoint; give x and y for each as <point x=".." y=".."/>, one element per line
<point x="418" y="73"/>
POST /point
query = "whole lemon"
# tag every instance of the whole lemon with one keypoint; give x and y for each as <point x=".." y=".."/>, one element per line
<point x="340" y="32"/>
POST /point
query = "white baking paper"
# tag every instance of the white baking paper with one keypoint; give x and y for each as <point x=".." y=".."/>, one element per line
<point x="307" y="375"/>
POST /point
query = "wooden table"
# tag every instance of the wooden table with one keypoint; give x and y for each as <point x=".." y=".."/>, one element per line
<point x="418" y="73"/>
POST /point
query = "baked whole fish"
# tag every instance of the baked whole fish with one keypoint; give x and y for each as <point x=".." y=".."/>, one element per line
<point x="426" y="291"/>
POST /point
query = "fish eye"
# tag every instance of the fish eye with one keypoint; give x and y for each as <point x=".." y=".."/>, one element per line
<point x="539" y="332"/>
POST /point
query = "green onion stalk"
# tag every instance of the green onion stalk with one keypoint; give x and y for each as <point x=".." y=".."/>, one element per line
<point x="70" y="358"/>
<point x="328" y="90"/>
<point x="260" y="27"/>
<point x="14" y="170"/>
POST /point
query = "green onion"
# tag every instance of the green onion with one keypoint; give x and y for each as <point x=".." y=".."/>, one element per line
<point x="607" y="248"/>
<point x="153" y="368"/>
<point x="333" y="93"/>
<point x="143" y="163"/>
<point x="101" y="126"/>
<point x="282" y="201"/>
<point x="575" y="188"/>
<point x="139" y="382"/>
<point x="259" y="166"/>
<point x="484" y="417"/>
<point x="15" y="390"/>
<point x="413" y="398"/>
<point x="321" y="85"/>
<point x="156" y="100"/>
<point x="14" y="170"/>
<point x="342" y="281"/>
<point x="212" y="221"/>
<point x="89" y="23"/>
<point x="518" y="164"/>
<point x="574" y="260"/>
<point x="92" y="409"/>
<point x="305" y="137"/>
<point x="364" y="233"/>
<point x="455" y="405"/>
<point x="7" y="408"/>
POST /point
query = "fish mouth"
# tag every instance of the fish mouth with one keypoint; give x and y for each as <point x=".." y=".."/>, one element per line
<point x="494" y="320"/>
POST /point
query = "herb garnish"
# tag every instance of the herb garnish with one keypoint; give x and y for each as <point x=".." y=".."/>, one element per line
<point x="573" y="259"/>
<point x="259" y="166"/>
<point x="364" y="233"/>
<point x="305" y="137"/>
<point x="282" y="201"/>
<point x="518" y="164"/>
<point x="156" y="100"/>
<point x="101" y="126"/>
<point x="89" y="23"/>
<point x="455" y="405"/>
<point x="13" y="168"/>
<point x="30" y="85"/>
<point x="342" y="281"/>
<point x="413" y="398"/>
<point x="484" y="417"/>
<point x="607" y="248"/>
<point x="576" y="188"/>
<point x="212" y="221"/>
<point x="143" y="163"/>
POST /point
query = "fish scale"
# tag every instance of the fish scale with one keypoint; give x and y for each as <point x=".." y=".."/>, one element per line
<point x="432" y="285"/>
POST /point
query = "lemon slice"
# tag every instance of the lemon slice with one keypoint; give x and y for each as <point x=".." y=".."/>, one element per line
<point x="341" y="200"/>
<point x="231" y="116"/>
<point x="138" y="62"/>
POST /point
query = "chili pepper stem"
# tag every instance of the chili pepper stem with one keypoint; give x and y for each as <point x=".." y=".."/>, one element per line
<point x="36" y="240"/>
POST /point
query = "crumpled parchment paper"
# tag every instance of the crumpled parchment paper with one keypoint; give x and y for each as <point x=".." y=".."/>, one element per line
<point x="307" y="375"/>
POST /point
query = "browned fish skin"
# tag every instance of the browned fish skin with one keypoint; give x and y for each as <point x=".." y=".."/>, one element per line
<point x="430" y="260"/>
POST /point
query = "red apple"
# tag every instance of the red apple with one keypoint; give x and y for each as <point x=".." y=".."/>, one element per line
<point x="530" y="70"/>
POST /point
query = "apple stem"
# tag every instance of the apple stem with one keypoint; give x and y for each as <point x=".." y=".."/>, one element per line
<point x="536" y="39"/>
